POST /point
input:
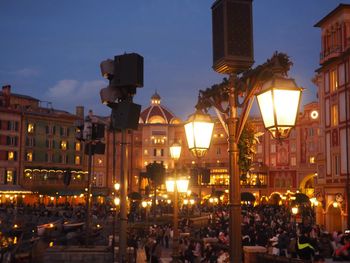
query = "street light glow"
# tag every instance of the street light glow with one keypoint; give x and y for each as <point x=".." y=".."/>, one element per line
<point x="199" y="130"/>
<point x="175" y="151"/>
<point x="279" y="103"/>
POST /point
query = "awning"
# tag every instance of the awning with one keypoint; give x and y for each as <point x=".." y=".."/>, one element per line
<point x="13" y="189"/>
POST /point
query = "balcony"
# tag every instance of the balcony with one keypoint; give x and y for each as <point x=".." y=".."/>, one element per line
<point x="330" y="53"/>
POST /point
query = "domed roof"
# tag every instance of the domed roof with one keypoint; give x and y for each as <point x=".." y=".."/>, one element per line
<point x="157" y="113"/>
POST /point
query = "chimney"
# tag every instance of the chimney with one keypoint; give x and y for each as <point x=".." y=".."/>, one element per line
<point x="79" y="111"/>
<point x="6" y="93"/>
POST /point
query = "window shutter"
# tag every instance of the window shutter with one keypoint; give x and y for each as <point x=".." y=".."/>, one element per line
<point x="16" y="141"/>
<point x="8" y="125"/>
<point x="16" y="125"/>
<point x="47" y="129"/>
<point x="68" y="131"/>
<point x="15" y="156"/>
<point x="8" y="140"/>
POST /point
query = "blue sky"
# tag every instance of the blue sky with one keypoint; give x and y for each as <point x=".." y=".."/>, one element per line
<point x="51" y="50"/>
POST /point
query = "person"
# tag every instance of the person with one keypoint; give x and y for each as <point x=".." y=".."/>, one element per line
<point x="156" y="252"/>
<point x="343" y="252"/>
<point x="304" y="248"/>
<point x="319" y="259"/>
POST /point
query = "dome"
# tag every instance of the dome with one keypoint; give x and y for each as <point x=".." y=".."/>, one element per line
<point x="157" y="113"/>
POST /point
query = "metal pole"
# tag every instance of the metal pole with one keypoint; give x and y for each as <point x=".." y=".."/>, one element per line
<point x="234" y="187"/>
<point x="176" y="224"/>
<point x="123" y="202"/>
<point x="88" y="198"/>
<point x="114" y="180"/>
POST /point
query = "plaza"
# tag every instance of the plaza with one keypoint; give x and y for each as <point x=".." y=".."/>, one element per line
<point x="235" y="181"/>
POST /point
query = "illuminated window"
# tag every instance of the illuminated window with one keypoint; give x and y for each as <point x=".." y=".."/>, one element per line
<point x="99" y="161"/>
<point x="64" y="145"/>
<point x="312" y="159"/>
<point x="333" y="80"/>
<point x="77" y="160"/>
<point x="30" y="128"/>
<point x="145" y="163"/>
<point x="9" y="177"/>
<point x="145" y="152"/>
<point x="29" y="156"/>
<point x="334" y="112"/>
<point x="77" y="146"/>
<point x="10" y="156"/>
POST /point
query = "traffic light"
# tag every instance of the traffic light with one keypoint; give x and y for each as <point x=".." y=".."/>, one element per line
<point x="67" y="176"/>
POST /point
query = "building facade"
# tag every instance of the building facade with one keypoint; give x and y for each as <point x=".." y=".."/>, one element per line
<point x="37" y="148"/>
<point x="332" y="79"/>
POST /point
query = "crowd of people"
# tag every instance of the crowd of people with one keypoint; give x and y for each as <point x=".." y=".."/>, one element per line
<point x="270" y="226"/>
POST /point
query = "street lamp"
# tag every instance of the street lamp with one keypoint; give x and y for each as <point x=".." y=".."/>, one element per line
<point x="279" y="102"/>
<point x="199" y="129"/>
<point x="176" y="186"/>
<point x="270" y="86"/>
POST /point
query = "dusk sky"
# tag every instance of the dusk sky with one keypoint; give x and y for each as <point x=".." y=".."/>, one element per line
<point x="52" y="50"/>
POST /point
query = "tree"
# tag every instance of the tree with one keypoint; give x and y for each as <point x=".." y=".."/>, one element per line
<point x="156" y="173"/>
<point x="247" y="147"/>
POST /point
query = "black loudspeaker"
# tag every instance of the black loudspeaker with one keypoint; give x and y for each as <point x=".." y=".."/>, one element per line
<point x="125" y="115"/>
<point x="98" y="131"/>
<point x="232" y="27"/>
<point x="98" y="148"/>
<point x="128" y="71"/>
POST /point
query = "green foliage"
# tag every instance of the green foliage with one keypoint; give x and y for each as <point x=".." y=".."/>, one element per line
<point x="247" y="147"/>
<point x="156" y="173"/>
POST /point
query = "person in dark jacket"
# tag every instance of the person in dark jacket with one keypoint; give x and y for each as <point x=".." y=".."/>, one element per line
<point x="325" y="246"/>
<point x="304" y="248"/>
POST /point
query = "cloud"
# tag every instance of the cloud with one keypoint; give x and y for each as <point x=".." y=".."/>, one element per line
<point x="68" y="93"/>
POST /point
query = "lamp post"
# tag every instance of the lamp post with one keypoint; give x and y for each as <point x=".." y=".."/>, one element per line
<point x="273" y="90"/>
<point x="176" y="186"/>
<point x="295" y="211"/>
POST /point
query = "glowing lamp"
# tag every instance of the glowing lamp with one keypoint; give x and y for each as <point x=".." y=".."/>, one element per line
<point x="117" y="201"/>
<point x="175" y="151"/>
<point x="295" y="210"/>
<point x="279" y="103"/>
<point x="199" y="130"/>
